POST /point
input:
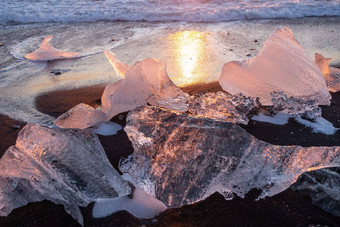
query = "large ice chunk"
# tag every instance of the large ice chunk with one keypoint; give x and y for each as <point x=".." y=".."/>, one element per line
<point x="222" y="106"/>
<point x="145" y="82"/>
<point x="67" y="167"/>
<point x="282" y="65"/>
<point x="331" y="74"/>
<point x="323" y="187"/>
<point x="183" y="159"/>
<point x="46" y="52"/>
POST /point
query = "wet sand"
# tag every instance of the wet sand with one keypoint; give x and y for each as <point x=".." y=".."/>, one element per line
<point x="288" y="208"/>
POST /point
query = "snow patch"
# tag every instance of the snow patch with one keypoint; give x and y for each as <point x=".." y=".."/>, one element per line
<point x="278" y="119"/>
<point x="106" y="128"/>
<point x="321" y="125"/>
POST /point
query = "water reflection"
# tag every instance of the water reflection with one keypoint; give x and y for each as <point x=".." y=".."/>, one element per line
<point x="189" y="52"/>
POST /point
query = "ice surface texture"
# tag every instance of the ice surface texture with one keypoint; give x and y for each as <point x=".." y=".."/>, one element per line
<point x="67" y="167"/>
<point x="296" y="107"/>
<point x="331" y="74"/>
<point x="46" y="52"/>
<point x="282" y="65"/>
<point x="182" y="159"/>
<point x="146" y="82"/>
<point x="323" y="187"/>
<point x="222" y="106"/>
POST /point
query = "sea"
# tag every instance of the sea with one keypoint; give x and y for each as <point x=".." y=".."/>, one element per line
<point x="28" y="11"/>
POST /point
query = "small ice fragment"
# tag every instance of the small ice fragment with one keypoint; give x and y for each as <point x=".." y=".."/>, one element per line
<point x="119" y="67"/>
<point x="280" y="118"/>
<point x="142" y="205"/>
<point x="321" y="125"/>
<point x="81" y="116"/>
<point x="106" y="128"/>
<point x="322" y="63"/>
<point x="282" y="65"/>
<point x="331" y="74"/>
<point x="46" y="52"/>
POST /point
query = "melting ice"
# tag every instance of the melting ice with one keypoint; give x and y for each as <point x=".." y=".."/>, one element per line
<point x="282" y="65"/>
<point x="331" y="74"/>
<point x="182" y="159"/>
<point x="64" y="166"/>
<point x="46" y="52"/>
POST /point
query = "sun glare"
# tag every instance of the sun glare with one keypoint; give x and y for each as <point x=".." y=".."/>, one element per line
<point x="189" y="50"/>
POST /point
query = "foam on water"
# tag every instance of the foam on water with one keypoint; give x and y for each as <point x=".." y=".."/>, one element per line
<point x="162" y="10"/>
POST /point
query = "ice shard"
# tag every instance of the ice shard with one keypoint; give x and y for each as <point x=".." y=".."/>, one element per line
<point x="222" y="106"/>
<point x="282" y="65"/>
<point x="323" y="187"/>
<point x="331" y="74"/>
<point x="81" y="116"/>
<point x="182" y="159"/>
<point x="119" y="67"/>
<point x="46" y="52"/>
<point x="65" y="166"/>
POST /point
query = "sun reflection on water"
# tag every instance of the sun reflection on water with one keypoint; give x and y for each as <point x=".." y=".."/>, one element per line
<point x="189" y="52"/>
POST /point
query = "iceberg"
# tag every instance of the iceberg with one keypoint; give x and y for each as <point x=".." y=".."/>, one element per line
<point x="281" y="65"/>
<point x="323" y="187"/>
<point x="65" y="166"/>
<point x="222" y="106"/>
<point x="331" y="74"/>
<point x="182" y="159"/>
<point x="46" y="52"/>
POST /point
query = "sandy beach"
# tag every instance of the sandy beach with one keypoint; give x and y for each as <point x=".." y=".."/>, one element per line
<point x="32" y="92"/>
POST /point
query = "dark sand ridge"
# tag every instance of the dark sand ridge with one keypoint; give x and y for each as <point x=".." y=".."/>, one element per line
<point x="285" y="209"/>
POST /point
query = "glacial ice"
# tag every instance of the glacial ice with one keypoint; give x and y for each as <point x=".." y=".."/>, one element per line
<point x="331" y="74"/>
<point x="46" y="52"/>
<point x="282" y="65"/>
<point x="65" y="166"/>
<point x="183" y="159"/>
<point x="146" y="82"/>
<point x="81" y="116"/>
<point x="120" y="68"/>
<point x="222" y="106"/>
<point x="323" y="187"/>
<point x="296" y="107"/>
<point x="141" y="204"/>
<point x="320" y="125"/>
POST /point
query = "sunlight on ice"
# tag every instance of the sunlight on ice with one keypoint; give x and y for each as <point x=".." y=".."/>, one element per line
<point x="46" y="52"/>
<point x="189" y="50"/>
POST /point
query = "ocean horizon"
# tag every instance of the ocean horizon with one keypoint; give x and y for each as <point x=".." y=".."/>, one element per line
<point x="35" y="11"/>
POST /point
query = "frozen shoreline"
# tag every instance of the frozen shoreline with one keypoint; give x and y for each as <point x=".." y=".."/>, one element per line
<point x="21" y="81"/>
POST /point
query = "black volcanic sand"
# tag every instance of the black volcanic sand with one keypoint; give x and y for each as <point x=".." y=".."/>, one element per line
<point x="288" y="208"/>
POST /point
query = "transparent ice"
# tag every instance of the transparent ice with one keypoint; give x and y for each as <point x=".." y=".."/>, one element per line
<point x="183" y="159"/>
<point x="282" y="65"/>
<point x="222" y="106"/>
<point x="65" y="166"/>
<point x="323" y="187"/>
